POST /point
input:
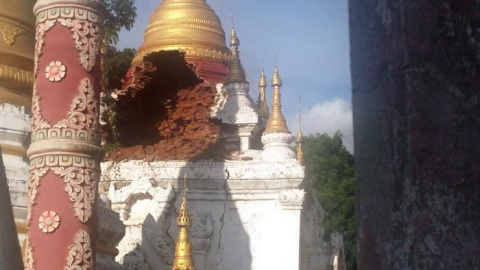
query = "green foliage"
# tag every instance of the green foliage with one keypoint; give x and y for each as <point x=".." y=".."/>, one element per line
<point x="116" y="65"/>
<point x="120" y="14"/>
<point x="330" y="167"/>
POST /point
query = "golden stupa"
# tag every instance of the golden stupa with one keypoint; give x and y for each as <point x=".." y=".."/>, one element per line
<point x="276" y="123"/>
<point x="17" y="42"/>
<point x="190" y="26"/>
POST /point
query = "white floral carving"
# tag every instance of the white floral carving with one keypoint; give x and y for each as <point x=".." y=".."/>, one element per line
<point x="83" y="113"/>
<point x="80" y="253"/>
<point x="87" y="40"/>
<point x="28" y="256"/>
<point x="42" y="28"/>
<point x="55" y="71"/>
<point x="81" y="185"/>
<point x="33" y="182"/>
<point x="49" y="221"/>
<point x="37" y="119"/>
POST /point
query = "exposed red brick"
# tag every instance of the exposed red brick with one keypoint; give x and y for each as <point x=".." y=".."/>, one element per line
<point x="164" y="113"/>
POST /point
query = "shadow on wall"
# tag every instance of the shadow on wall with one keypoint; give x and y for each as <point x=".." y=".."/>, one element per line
<point x="164" y="115"/>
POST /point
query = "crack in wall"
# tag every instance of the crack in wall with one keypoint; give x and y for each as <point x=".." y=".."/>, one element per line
<point x="222" y="220"/>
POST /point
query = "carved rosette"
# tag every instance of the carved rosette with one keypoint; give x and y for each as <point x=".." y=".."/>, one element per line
<point x="84" y="25"/>
<point x="80" y="255"/>
<point x="81" y="178"/>
<point x="65" y="151"/>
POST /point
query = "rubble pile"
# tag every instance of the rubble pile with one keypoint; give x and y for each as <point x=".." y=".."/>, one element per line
<point x="163" y="113"/>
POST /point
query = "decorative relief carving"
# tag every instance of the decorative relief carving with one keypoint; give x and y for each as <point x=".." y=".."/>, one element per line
<point x="84" y="25"/>
<point x="81" y="122"/>
<point x="63" y="161"/>
<point x="292" y="199"/>
<point x="81" y="187"/>
<point x="33" y="182"/>
<point x="80" y="253"/>
<point x="87" y="40"/>
<point x="83" y="112"/>
<point x="41" y="29"/>
<point x="28" y="256"/>
<point x="10" y="32"/>
<point x="49" y="221"/>
<point x="18" y="78"/>
<point x="55" y="71"/>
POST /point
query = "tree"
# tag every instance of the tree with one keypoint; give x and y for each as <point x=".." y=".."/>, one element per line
<point x="330" y="168"/>
<point x="119" y="14"/>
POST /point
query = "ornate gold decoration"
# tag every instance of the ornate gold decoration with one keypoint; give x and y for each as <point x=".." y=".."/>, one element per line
<point x="80" y="253"/>
<point x="16" y="77"/>
<point x="49" y="221"/>
<point x="276" y="123"/>
<point x="55" y="71"/>
<point x="188" y="26"/>
<point x="33" y="182"/>
<point x="87" y="40"/>
<point x="10" y="32"/>
<point x="28" y="256"/>
<point x="81" y="186"/>
<point x="83" y="112"/>
<point x="262" y="101"/>
<point x="183" y="249"/>
<point x="236" y="74"/>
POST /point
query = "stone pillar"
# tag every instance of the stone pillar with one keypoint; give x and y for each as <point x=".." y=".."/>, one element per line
<point x="415" y="77"/>
<point x="65" y="150"/>
<point x="10" y="256"/>
<point x="288" y="254"/>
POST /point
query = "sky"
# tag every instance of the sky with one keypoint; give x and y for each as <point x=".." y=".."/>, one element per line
<point x="312" y="55"/>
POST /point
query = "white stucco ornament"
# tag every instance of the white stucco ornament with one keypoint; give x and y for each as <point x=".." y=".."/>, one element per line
<point x="55" y="71"/>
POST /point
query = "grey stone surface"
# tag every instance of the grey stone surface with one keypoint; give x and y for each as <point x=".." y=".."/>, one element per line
<point x="10" y="255"/>
<point x="415" y="78"/>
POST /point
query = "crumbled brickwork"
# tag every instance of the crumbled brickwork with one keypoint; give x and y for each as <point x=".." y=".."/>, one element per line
<point x="163" y="113"/>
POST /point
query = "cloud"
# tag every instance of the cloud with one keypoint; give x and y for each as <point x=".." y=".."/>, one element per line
<point x="328" y="117"/>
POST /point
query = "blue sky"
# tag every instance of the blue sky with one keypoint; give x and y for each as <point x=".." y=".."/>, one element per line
<point x="312" y="43"/>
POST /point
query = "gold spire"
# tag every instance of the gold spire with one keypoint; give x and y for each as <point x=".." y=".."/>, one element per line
<point x="276" y="123"/>
<point x="183" y="249"/>
<point x="299" y="135"/>
<point x="236" y="74"/>
<point x="262" y="102"/>
<point x="190" y="26"/>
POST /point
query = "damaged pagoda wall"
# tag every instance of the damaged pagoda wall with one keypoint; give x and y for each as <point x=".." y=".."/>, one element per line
<point x="247" y="213"/>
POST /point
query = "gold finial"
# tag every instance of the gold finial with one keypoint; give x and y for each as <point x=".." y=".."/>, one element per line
<point x="276" y="80"/>
<point x="276" y="123"/>
<point x="236" y="74"/>
<point x="299" y="135"/>
<point x="183" y="248"/>
<point x="262" y="102"/>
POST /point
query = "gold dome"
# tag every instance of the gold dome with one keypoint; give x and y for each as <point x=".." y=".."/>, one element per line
<point x="17" y="42"/>
<point x="190" y="26"/>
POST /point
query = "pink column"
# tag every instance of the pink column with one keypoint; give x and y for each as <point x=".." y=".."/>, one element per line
<point x="65" y="150"/>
